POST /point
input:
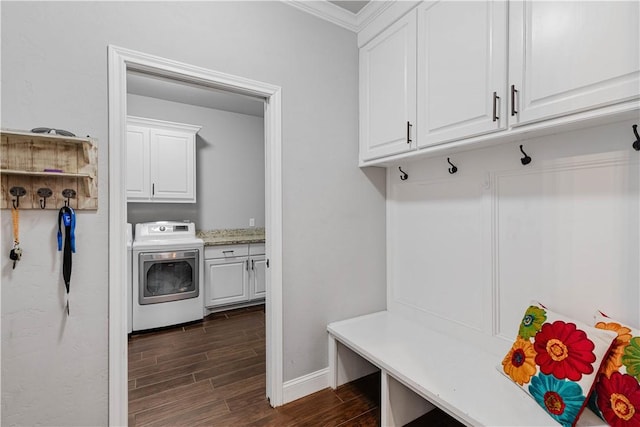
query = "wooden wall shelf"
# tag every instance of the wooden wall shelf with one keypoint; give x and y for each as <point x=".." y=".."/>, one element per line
<point x="68" y="175"/>
<point x="25" y="158"/>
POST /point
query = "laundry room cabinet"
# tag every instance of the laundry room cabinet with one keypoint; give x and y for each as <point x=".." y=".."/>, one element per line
<point x="257" y="279"/>
<point x="234" y="274"/>
<point x="160" y="161"/>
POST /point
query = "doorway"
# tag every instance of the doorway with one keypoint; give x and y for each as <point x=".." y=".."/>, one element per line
<point x="122" y="61"/>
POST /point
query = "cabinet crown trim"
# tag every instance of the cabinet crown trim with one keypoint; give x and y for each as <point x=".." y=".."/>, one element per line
<point x="164" y="124"/>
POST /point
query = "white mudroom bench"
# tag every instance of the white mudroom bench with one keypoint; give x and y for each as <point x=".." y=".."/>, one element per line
<point x="421" y="368"/>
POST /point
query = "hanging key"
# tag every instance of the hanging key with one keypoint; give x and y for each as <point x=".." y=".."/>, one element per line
<point x="15" y="255"/>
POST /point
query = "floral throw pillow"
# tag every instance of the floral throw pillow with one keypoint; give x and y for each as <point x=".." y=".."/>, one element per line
<point x="556" y="359"/>
<point x="616" y="397"/>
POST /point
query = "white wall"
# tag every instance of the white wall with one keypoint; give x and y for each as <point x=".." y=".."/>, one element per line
<point x="468" y="252"/>
<point x="229" y="166"/>
<point x="54" y="73"/>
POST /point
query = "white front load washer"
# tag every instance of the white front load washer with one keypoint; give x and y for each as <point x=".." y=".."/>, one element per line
<point x="167" y="275"/>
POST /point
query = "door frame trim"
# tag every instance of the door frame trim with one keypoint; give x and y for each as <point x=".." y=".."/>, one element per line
<point x="119" y="61"/>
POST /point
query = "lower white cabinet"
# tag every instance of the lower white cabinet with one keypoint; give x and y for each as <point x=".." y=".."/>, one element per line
<point x="257" y="282"/>
<point x="234" y="274"/>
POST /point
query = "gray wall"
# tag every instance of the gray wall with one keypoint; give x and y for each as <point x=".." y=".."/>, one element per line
<point x="229" y="166"/>
<point x="54" y="73"/>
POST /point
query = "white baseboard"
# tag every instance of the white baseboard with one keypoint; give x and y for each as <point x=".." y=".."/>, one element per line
<point x="305" y="385"/>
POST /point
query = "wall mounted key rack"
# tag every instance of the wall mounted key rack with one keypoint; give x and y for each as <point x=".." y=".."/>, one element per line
<point x="40" y="162"/>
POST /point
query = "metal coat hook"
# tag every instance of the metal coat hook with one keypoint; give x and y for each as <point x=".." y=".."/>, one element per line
<point x="44" y="193"/>
<point x="636" y="143"/>
<point x="404" y="175"/>
<point x="453" y="169"/>
<point x="526" y="159"/>
<point x="17" y="192"/>
<point x="68" y="194"/>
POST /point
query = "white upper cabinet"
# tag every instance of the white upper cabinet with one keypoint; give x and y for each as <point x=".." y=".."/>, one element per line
<point x="462" y="70"/>
<point x="173" y="164"/>
<point x="137" y="148"/>
<point x="571" y="56"/>
<point x="388" y="91"/>
<point x="160" y="161"/>
<point x="448" y="74"/>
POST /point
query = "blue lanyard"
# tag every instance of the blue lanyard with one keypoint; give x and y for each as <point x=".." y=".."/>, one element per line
<point x="67" y="216"/>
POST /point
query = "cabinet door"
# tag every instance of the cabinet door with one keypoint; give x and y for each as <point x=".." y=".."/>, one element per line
<point x="172" y="166"/>
<point x="257" y="280"/>
<point x="567" y="57"/>
<point x="137" y="149"/>
<point x="226" y="281"/>
<point x="387" y="91"/>
<point x="462" y="57"/>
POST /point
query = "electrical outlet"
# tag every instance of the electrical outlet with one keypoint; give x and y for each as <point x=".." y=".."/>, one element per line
<point x="252" y="222"/>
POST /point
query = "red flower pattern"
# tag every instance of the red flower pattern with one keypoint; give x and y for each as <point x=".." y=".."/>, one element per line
<point x="619" y="399"/>
<point x="564" y="351"/>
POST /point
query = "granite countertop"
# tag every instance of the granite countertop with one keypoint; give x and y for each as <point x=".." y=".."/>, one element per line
<point x="231" y="236"/>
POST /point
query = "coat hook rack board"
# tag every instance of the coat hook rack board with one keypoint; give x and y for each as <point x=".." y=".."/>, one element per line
<point x="37" y="162"/>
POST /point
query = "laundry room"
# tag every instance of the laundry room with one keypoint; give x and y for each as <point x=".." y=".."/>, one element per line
<point x="196" y="155"/>
<point x="196" y="221"/>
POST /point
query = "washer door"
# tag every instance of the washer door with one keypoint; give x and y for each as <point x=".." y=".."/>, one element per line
<point x="168" y="276"/>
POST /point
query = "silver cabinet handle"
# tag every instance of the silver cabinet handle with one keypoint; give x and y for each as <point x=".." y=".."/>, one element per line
<point x="247" y="267"/>
<point x="252" y="265"/>
<point x="496" y="98"/>
<point x="513" y="100"/>
<point x="227" y="252"/>
<point x="409" y="132"/>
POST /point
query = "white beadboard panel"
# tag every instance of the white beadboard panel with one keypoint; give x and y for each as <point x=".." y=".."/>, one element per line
<point x="436" y="232"/>
<point x="567" y="235"/>
<point x="467" y="252"/>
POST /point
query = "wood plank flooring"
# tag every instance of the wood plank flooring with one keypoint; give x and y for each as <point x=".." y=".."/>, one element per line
<point x="212" y="373"/>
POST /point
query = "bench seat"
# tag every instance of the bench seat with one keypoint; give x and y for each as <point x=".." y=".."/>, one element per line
<point x="451" y="374"/>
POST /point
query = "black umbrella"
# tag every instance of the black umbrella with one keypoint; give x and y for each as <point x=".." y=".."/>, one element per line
<point x="67" y="219"/>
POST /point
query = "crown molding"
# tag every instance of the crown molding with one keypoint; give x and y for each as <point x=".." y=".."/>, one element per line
<point x="371" y="11"/>
<point x="339" y="16"/>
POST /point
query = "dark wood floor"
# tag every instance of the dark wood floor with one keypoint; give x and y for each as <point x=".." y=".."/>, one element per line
<point x="212" y="373"/>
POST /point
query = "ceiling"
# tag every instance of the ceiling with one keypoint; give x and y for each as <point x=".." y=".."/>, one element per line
<point x="184" y="93"/>
<point x="351" y="6"/>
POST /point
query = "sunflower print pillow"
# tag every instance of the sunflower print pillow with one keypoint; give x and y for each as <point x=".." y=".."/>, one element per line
<point x="555" y="360"/>
<point x="616" y="396"/>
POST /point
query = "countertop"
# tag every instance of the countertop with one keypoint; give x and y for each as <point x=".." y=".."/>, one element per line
<point x="231" y="236"/>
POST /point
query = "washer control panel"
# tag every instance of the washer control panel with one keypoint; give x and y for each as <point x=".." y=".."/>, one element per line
<point x="162" y="230"/>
